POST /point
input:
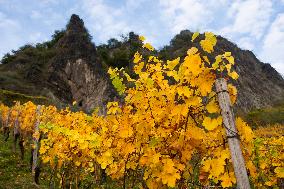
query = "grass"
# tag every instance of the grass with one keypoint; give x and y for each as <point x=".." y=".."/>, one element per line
<point x="14" y="172"/>
<point x="13" y="80"/>
<point x="10" y="96"/>
<point x="267" y="116"/>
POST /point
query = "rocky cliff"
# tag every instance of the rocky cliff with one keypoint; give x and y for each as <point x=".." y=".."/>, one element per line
<point x="75" y="72"/>
<point x="71" y="68"/>
<point x="65" y="69"/>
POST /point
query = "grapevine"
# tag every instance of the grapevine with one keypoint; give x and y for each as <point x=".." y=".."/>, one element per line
<point x="168" y="132"/>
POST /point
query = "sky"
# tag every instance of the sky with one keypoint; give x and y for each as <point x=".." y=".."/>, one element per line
<point x="256" y="25"/>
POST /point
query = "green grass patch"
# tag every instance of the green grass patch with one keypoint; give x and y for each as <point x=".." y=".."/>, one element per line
<point x="14" y="172"/>
<point x="266" y="116"/>
<point x="8" y="98"/>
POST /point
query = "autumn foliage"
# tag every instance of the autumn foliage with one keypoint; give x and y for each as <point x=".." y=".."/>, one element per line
<point x="168" y="132"/>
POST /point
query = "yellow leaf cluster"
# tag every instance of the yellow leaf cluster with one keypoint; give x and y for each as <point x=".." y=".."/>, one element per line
<point x="167" y="131"/>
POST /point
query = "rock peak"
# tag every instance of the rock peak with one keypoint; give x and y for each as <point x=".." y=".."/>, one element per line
<point x="75" y="17"/>
<point x="76" y="24"/>
<point x="76" y="39"/>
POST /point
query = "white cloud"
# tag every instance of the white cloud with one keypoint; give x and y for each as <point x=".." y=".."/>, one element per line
<point x="133" y="4"/>
<point x="52" y="18"/>
<point x="185" y="14"/>
<point x="6" y="23"/>
<point x="48" y="16"/>
<point x="48" y="2"/>
<point x="9" y="34"/>
<point x="245" y="22"/>
<point x="36" y="37"/>
<point x="35" y="14"/>
<point x="246" y="43"/>
<point x="273" y="44"/>
<point x="106" y="20"/>
<point x="249" y="17"/>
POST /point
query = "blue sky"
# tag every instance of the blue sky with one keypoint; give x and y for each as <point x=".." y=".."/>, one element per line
<point x="256" y="25"/>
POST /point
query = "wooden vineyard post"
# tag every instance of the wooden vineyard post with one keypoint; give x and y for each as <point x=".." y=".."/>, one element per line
<point x="6" y="125"/>
<point x="16" y="131"/>
<point x="6" y="122"/>
<point x="1" y="120"/>
<point x="232" y="134"/>
<point x="35" y="166"/>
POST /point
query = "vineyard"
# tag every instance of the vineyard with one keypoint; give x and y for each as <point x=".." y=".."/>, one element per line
<point x="167" y="132"/>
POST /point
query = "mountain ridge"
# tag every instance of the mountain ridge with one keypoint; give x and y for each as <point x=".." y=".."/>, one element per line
<point x="54" y="69"/>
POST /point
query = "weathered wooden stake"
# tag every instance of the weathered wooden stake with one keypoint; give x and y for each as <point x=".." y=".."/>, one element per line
<point x="35" y="166"/>
<point x="1" y="120"/>
<point x="6" y="126"/>
<point x="232" y="134"/>
<point x="6" y="122"/>
<point x="16" y="132"/>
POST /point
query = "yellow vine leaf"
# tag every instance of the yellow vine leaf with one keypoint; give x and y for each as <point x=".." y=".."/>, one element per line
<point x="252" y="169"/>
<point x="148" y="46"/>
<point x="209" y="42"/>
<point x="245" y="130"/>
<point x="172" y="64"/>
<point x="212" y="123"/>
<point x="227" y="54"/>
<point x="105" y="159"/>
<point x="217" y="167"/>
<point x="231" y="60"/>
<point x="192" y="51"/>
<point x="268" y="183"/>
<point x="233" y="75"/>
<point x="169" y="174"/>
<point x="279" y="172"/>
<point x="194" y="36"/>
<point x="212" y="107"/>
<point x="233" y="93"/>
<point x="137" y="57"/>
<point x="142" y="38"/>
<point x="228" y="180"/>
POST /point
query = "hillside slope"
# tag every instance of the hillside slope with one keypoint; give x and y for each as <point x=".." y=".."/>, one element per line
<point x="71" y="68"/>
<point x="259" y="84"/>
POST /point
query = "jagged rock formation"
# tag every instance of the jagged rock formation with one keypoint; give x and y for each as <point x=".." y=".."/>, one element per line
<point x="75" y="71"/>
<point x="66" y="69"/>
<point x="71" y="68"/>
